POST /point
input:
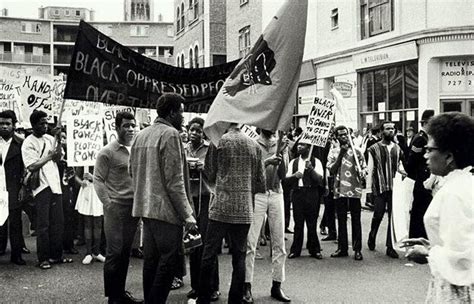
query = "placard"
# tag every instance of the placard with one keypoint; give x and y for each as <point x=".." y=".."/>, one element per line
<point x="250" y="131"/>
<point x="319" y="122"/>
<point x="84" y="140"/>
<point x="410" y="116"/>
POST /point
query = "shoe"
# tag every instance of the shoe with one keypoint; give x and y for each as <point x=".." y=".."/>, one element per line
<point x="215" y="296"/>
<point x="87" y="259"/>
<point x="358" y="256"/>
<point x="263" y="241"/>
<point x="192" y="294"/>
<point x="44" y="265"/>
<point x="293" y="255"/>
<point x="99" y="258"/>
<point x="317" y="255"/>
<point x="34" y="233"/>
<point x="18" y="261"/>
<point x="371" y="241"/>
<point x="370" y="206"/>
<point x="278" y="294"/>
<point x="128" y="298"/>
<point x="287" y="230"/>
<point x="330" y="237"/>
<point x="339" y="254"/>
<point x="392" y="253"/>
<point x="25" y="250"/>
<point x="71" y="251"/>
<point x="258" y="256"/>
<point x="137" y="253"/>
<point x="323" y="230"/>
<point x="247" y="297"/>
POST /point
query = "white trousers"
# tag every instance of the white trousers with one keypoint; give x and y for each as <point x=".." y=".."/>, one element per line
<point x="272" y="203"/>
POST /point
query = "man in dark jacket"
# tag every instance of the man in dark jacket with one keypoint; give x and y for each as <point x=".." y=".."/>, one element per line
<point x="12" y="162"/>
<point x="418" y="171"/>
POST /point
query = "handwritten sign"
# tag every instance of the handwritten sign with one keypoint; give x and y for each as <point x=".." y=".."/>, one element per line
<point x="109" y="114"/>
<point x="78" y="107"/>
<point x="84" y="140"/>
<point x="319" y="122"/>
<point x="249" y="131"/>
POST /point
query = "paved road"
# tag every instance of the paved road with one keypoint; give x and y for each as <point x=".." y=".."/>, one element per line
<point x="376" y="279"/>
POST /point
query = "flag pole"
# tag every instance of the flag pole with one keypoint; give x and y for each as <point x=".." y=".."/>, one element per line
<point x="57" y="137"/>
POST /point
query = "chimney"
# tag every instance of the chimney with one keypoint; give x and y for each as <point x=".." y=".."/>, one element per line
<point x="4" y="12"/>
<point x="160" y="17"/>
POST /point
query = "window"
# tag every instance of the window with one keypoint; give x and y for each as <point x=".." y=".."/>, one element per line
<point x="390" y="94"/>
<point x="244" y="41"/>
<point x="37" y="50"/>
<point x="196" y="9"/>
<point x="67" y="13"/>
<point x="78" y="13"/>
<point x="178" y="20"/>
<point x="196" y="56"/>
<point x="182" y="60"/>
<point x="376" y="17"/>
<point x="242" y="2"/>
<point x="56" y="12"/>
<point x="182" y="15"/>
<point x="334" y="19"/>
<point x="191" y="58"/>
<point x="139" y="30"/>
<point x="30" y="27"/>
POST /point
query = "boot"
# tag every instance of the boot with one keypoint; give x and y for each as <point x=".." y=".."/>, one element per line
<point x="247" y="297"/>
<point x="277" y="293"/>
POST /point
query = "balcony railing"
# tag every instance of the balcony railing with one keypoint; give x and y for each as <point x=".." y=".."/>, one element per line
<point x="24" y="58"/>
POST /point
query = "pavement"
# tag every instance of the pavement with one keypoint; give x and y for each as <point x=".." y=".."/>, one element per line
<point x="376" y="279"/>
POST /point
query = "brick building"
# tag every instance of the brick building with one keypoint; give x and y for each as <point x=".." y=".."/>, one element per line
<point x="200" y="31"/>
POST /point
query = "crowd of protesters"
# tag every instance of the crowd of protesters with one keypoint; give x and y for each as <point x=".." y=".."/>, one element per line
<point x="150" y="189"/>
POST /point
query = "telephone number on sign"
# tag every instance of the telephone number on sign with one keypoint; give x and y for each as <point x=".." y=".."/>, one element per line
<point x="459" y="82"/>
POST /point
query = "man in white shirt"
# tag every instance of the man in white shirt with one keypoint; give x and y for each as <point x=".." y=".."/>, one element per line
<point x="306" y="176"/>
<point x="39" y="153"/>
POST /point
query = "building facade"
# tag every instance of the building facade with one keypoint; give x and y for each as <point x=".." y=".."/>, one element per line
<point x="200" y="29"/>
<point x="138" y="10"/>
<point x="45" y="46"/>
<point x="392" y="59"/>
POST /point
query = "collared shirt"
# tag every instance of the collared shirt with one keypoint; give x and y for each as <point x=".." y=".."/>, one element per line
<point x="318" y="168"/>
<point x="199" y="183"/>
<point x="449" y="223"/>
<point x="346" y="180"/>
<point x="112" y="182"/>
<point x="272" y="173"/>
<point x="160" y="175"/>
<point x="49" y="174"/>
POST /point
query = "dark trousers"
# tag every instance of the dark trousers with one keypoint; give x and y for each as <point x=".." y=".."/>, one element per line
<point x="382" y="202"/>
<point x="196" y="256"/>
<point x="342" y="206"/>
<point x="287" y="202"/>
<point x="92" y="233"/>
<point x="161" y="248"/>
<point x="238" y="238"/>
<point x="306" y="206"/>
<point x="69" y="214"/>
<point x="49" y="225"/>
<point x="12" y="228"/>
<point x="421" y="202"/>
<point x="329" y="215"/>
<point x="119" y="228"/>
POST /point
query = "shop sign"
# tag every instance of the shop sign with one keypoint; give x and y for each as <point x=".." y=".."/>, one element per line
<point x="345" y="88"/>
<point x="398" y="53"/>
<point x="457" y="75"/>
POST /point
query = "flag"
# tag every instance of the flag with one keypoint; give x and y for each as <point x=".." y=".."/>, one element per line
<point x="260" y="89"/>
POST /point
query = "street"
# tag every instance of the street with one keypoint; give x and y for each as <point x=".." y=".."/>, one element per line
<point x="376" y="279"/>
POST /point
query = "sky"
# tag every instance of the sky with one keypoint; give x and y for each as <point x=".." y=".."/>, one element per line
<point x="105" y="10"/>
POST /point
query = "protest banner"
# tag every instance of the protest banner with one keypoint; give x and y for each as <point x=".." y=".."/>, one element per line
<point x="109" y="114"/>
<point x="105" y="71"/>
<point x="84" y="140"/>
<point x="79" y="107"/>
<point x="8" y="96"/>
<point x="319" y="122"/>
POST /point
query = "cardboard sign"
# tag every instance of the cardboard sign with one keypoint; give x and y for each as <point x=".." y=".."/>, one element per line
<point x="78" y="107"/>
<point x="319" y="122"/>
<point x="84" y="140"/>
<point x="250" y="131"/>
<point x="109" y="114"/>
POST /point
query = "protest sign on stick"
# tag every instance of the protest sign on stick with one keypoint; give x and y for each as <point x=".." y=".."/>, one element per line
<point x="84" y="140"/>
<point x="319" y="122"/>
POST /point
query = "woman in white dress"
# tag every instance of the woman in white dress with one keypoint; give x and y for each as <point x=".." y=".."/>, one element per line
<point x="449" y="220"/>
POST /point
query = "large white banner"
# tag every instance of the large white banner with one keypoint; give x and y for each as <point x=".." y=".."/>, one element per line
<point x="84" y="140"/>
